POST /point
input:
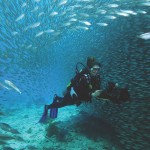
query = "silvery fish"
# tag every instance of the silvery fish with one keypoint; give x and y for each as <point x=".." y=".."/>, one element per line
<point x="20" y="17"/>
<point x="39" y="34"/>
<point x="110" y="17"/>
<point x="35" y="25"/>
<point x="145" y="36"/>
<point x="62" y="2"/>
<point x="122" y="14"/>
<point x="129" y="12"/>
<point x="40" y="14"/>
<point x="113" y="5"/>
<point x="102" y="24"/>
<point x="35" y="9"/>
<point x="12" y="85"/>
<point x="86" y="23"/>
<point x="50" y="31"/>
<point x="54" y="14"/>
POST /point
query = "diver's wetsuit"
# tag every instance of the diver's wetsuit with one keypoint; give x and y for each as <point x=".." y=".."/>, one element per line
<point x="79" y="89"/>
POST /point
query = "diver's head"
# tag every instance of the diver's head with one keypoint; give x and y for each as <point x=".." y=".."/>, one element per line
<point x="93" y="66"/>
<point x="95" y="70"/>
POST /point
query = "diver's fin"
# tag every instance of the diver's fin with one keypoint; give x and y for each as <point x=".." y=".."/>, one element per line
<point x="44" y="116"/>
<point x="53" y="113"/>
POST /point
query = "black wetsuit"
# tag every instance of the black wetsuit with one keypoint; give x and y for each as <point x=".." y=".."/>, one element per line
<point x="82" y="85"/>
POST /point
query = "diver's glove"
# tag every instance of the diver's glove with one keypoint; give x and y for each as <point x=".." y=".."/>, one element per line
<point x="96" y="93"/>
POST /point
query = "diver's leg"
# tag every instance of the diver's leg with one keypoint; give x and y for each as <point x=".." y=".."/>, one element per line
<point x="59" y="102"/>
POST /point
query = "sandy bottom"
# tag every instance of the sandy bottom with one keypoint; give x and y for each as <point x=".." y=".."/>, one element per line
<point x="72" y="130"/>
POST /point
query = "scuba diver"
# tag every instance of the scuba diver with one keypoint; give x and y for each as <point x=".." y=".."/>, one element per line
<point x="85" y="86"/>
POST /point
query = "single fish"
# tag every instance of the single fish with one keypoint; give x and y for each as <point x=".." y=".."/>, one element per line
<point x="39" y="34"/>
<point x="40" y="14"/>
<point x="142" y="12"/>
<point x="73" y="20"/>
<point x="110" y="17"/>
<point x="14" y="33"/>
<point x="35" y="25"/>
<point x="35" y="9"/>
<point x="6" y="137"/>
<point x="29" y="46"/>
<point x="20" y="17"/>
<point x="145" y="36"/>
<point x="54" y="13"/>
<point x="122" y="14"/>
<point x="50" y="31"/>
<point x="12" y="85"/>
<point x="102" y="24"/>
<point x="146" y="4"/>
<point x="129" y="12"/>
<point x="86" y="23"/>
<point x="8" y="128"/>
<point x="63" y="2"/>
<point x="113" y="5"/>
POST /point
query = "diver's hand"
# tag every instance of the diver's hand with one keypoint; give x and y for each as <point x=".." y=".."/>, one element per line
<point x="96" y="93"/>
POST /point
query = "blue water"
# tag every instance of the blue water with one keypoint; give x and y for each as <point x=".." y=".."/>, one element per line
<point x="42" y="40"/>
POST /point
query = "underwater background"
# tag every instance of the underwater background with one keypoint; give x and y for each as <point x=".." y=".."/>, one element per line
<point x="41" y="42"/>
